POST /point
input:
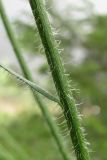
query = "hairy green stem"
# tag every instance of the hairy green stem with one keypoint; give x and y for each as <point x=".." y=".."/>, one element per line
<point x="60" y="80"/>
<point x="27" y="74"/>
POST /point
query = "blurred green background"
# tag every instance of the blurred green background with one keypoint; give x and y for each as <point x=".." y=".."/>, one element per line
<point x="83" y="35"/>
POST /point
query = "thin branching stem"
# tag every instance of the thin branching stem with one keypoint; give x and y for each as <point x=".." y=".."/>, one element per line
<point x="60" y="80"/>
<point x="53" y="128"/>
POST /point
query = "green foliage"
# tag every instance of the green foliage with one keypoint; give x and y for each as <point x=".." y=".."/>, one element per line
<point x="95" y="38"/>
<point x="27" y="35"/>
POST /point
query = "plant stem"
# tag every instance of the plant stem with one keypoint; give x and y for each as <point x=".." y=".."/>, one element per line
<point x="53" y="128"/>
<point x="60" y="80"/>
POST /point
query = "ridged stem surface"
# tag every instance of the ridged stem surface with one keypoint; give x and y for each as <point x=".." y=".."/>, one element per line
<point x="60" y="80"/>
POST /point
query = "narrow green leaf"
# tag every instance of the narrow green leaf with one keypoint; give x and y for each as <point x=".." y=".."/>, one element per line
<point x="33" y="86"/>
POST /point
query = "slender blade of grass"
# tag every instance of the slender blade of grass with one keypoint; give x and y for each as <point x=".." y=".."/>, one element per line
<point x="32" y="85"/>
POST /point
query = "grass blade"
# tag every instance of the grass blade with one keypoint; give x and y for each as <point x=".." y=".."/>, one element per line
<point x="32" y="85"/>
